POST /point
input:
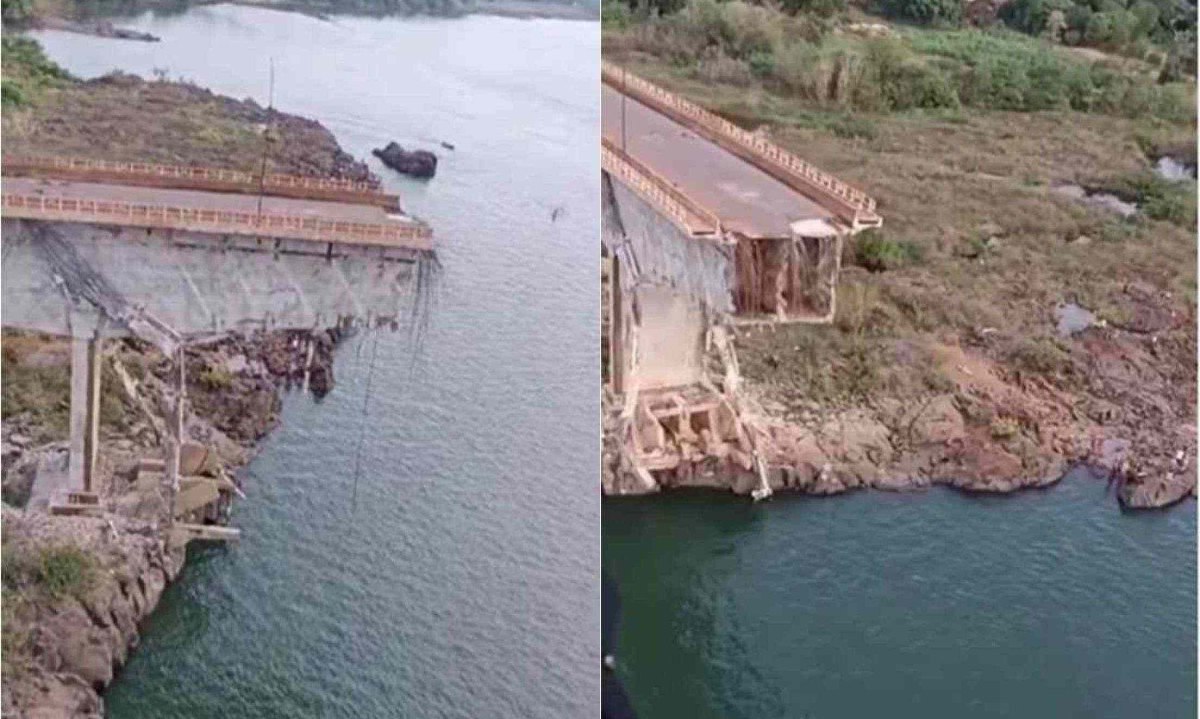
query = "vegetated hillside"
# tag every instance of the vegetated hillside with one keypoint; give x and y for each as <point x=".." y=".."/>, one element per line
<point x="854" y="62"/>
<point x="964" y="136"/>
<point x="1162" y="32"/>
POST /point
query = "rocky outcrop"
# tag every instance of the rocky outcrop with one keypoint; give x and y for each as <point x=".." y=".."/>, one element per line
<point x="990" y="434"/>
<point x="417" y="163"/>
<point x="67" y="648"/>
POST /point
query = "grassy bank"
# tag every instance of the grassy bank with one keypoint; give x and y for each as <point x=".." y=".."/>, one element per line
<point x="833" y="64"/>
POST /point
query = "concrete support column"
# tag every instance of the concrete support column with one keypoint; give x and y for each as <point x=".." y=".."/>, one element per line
<point x="616" y="326"/>
<point x="92" y="444"/>
<point x="175" y="434"/>
<point x="85" y="412"/>
<point x="77" y="461"/>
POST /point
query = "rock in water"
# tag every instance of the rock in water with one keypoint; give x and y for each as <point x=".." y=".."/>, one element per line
<point x="418" y="163"/>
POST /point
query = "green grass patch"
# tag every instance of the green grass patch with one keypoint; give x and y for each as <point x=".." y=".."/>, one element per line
<point x="26" y="72"/>
<point x="879" y="253"/>
<point x="1038" y="355"/>
<point x="797" y="56"/>
<point x="65" y="571"/>
<point x="215" y="378"/>
<point x="42" y="392"/>
<point x="1156" y="197"/>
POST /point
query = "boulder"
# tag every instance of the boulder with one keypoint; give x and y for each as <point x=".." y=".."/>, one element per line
<point x="417" y="163"/>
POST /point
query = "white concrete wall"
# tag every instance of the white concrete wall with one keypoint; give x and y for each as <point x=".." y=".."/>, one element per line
<point x="195" y="282"/>
<point x="670" y="339"/>
<point x="666" y="280"/>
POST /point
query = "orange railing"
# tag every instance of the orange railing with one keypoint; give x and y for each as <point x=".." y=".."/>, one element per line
<point x="687" y="215"/>
<point x="860" y="206"/>
<point x="197" y="177"/>
<point x="413" y="235"/>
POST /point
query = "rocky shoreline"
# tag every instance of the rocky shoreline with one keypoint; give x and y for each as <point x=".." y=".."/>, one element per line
<point x="989" y="429"/>
<point x="62" y="650"/>
<point x="985" y="436"/>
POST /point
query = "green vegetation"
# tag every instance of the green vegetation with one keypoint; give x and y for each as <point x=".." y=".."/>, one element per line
<point x="929" y="12"/>
<point x="1139" y="28"/>
<point x="57" y="572"/>
<point x="796" y="55"/>
<point x="215" y="378"/>
<point x="877" y="253"/>
<point x="33" y="576"/>
<point x="65" y="571"/>
<point x="42" y="392"/>
<point x="1156" y="197"/>
<point x="1038" y="355"/>
<point x="27" y="72"/>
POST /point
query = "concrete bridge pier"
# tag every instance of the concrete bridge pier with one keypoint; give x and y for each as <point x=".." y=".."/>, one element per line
<point x="86" y="343"/>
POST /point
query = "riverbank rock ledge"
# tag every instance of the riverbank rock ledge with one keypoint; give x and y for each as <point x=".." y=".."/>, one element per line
<point x="417" y="163"/>
<point x="80" y="638"/>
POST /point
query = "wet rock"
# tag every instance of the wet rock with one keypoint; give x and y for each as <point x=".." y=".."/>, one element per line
<point x="417" y="163"/>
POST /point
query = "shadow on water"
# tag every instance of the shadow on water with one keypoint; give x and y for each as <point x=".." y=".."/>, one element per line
<point x="616" y="704"/>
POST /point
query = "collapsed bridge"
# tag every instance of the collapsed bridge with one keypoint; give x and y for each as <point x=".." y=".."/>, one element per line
<point x="175" y="255"/>
<point x="706" y="226"/>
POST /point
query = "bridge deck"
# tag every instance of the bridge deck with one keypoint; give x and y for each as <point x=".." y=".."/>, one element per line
<point x="307" y="219"/>
<point x="745" y="198"/>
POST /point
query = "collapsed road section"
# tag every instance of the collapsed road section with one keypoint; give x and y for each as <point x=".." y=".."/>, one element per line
<point x="177" y="256"/>
<point x="706" y="227"/>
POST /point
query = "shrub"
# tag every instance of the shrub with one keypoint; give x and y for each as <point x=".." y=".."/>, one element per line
<point x="65" y="571"/>
<point x="853" y="126"/>
<point x="929" y="12"/>
<point x="821" y="8"/>
<point x="215" y="378"/>
<point x="1038" y="355"/>
<point x="916" y="84"/>
<point x="1157" y="197"/>
<point x="878" y="253"/>
<point x="762" y="64"/>
<point x="1032" y="16"/>
<point x="707" y="28"/>
<point x="616" y="15"/>
<point x="27" y="71"/>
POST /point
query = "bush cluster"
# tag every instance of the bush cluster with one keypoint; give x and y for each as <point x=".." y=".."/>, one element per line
<point x="738" y="43"/>
<point x="27" y="71"/>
